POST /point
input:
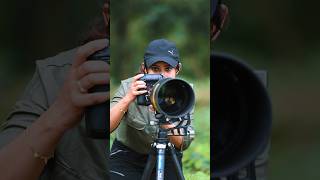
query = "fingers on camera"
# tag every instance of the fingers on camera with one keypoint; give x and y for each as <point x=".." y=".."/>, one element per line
<point x="141" y="86"/>
<point x="137" y="77"/>
<point x="86" y="50"/>
<point x="93" y="98"/>
<point x="142" y="92"/>
<point x="92" y="67"/>
<point x="93" y="79"/>
<point x="140" y="83"/>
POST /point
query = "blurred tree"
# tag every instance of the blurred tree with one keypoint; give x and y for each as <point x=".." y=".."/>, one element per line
<point x="184" y="22"/>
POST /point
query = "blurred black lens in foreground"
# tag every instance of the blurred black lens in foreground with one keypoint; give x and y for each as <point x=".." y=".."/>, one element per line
<point x="97" y="116"/>
<point x="241" y="116"/>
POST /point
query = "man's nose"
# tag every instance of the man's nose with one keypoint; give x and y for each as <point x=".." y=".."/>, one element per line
<point x="164" y="74"/>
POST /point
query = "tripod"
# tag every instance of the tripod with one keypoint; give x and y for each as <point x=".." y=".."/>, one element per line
<point x="160" y="145"/>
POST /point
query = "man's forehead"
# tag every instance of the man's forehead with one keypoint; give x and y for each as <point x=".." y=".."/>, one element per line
<point x="161" y="63"/>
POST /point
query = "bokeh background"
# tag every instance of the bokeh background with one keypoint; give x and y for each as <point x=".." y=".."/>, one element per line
<point x="35" y="30"/>
<point x="283" y="38"/>
<point x="134" y="24"/>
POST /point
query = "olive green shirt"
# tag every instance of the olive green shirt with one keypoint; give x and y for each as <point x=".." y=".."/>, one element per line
<point x="134" y="129"/>
<point x="76" y="156"/>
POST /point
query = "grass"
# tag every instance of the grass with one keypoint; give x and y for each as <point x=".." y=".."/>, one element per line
<point x="196" y="159"/>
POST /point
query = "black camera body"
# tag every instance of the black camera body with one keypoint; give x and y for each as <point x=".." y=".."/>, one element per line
<point x="150" y="80"/>
<point x="96" y="116"/>
<point x="102" y="55"/>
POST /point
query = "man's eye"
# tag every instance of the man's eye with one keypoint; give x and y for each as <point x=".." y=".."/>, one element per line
<point x="155" y="69"/>
<point x="168" y="68"/>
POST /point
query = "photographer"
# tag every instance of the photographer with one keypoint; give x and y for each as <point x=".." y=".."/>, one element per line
<point x="43" y="137"/>
<point x="134" y="134"/>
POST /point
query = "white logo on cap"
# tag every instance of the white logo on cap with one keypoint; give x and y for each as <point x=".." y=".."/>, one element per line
<point x="171" y="52"/>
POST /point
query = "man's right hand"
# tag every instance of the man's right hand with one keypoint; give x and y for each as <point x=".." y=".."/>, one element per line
<point x="137" y="87"/>
<point x="74" y="96"/>
<point x="35" y="145"/>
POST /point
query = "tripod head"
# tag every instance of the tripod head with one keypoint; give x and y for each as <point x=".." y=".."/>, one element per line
<point x="181" y="125"/>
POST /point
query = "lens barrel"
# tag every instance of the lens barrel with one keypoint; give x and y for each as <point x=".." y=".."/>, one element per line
<point x="173" y="98"/>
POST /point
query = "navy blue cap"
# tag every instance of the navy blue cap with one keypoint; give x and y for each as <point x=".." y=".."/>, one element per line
<point x="161" y="50"/>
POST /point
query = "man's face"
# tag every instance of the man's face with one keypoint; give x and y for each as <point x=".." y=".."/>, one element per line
<point x="162" y="68"/>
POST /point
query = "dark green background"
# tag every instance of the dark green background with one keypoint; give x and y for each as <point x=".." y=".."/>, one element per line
<point x="283" y="38"/>
<point x="134" y="24"/>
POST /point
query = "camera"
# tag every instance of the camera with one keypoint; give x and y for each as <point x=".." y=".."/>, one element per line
<point x="173" y="98"/>
<point x="150" y="80"/>
<point x="96" y="116"/>
<point x="103" y="55"/>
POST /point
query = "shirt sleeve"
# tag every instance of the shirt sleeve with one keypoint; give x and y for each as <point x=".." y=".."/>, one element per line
<point x="26" y="110"/>
<point x="119" y="94"/>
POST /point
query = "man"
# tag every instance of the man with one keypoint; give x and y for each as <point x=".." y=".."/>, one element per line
<point x="135" y="134"/>
<point x="44" y="137"/>
<point x="219" y="13"/>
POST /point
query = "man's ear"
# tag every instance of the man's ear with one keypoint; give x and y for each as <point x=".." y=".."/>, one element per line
<point x="143" y="69"/>
<point x="179" y="67"/>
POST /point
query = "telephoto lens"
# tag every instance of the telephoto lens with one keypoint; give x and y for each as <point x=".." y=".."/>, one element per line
<point x="96" y="116"/>
<point x="173" y="98"/>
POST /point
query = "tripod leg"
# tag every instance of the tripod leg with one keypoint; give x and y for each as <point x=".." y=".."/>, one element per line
<point x="176" y="162"/>
<point x="161" y="162"/>
<point x="149" y="166"/>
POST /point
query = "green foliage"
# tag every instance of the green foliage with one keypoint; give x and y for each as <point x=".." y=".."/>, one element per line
<point x="183" y="22"/>
<point x="197" y="156"/>
<point x="186" y="23"/>
<point x="196" y="176"/>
